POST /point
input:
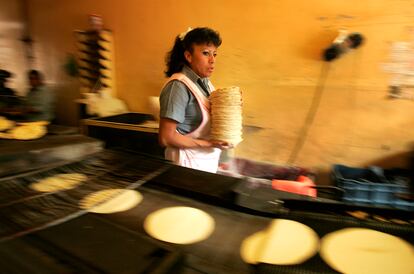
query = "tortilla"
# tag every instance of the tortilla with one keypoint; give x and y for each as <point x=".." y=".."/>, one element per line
<point x="380" y="218"/>
<point x="362" y="250"/>
<point x="107" y="81"/>
<point x="250" y="247"/>
<point x="107" y="55"/>
<point x="284" y="242"/>
<point x="179" y="225"/>
<point x="5" y="124"/>
<point x="34" y="123"/>
<point x="5" y="135"/>
<point x="359" y="214"/>
<point x="59" y="182"/>
<point x="27" y="132"/>
<point x="399" y="221"/>
<point x="111" y="201"/>
<point x="106" y="63"/>
<point x="106" y="45"/>
<point x="105" y="35"/>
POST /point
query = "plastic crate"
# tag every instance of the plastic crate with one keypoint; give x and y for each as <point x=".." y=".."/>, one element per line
<point x="369" y="186"/>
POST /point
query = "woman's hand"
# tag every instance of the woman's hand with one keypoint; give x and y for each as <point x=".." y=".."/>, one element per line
<point x="221" y="144"/>
<point x="168" y="136"/>
<point x="212" y="143"/>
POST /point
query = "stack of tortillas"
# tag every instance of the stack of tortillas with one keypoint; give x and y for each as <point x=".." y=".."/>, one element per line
<point x="26" y="131"/>
<point x="226" y="115"/>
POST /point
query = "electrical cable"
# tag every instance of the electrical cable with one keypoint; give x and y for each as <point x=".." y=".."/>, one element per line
<point x="310" y="117"/>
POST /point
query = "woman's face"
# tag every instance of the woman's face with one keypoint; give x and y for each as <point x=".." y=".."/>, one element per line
<point x="202" y="60"/>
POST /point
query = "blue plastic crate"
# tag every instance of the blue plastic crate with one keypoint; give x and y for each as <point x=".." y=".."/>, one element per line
<point x="368" y="186"/>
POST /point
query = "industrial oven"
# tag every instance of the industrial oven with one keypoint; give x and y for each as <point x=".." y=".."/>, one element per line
<point x="49" y="232"/>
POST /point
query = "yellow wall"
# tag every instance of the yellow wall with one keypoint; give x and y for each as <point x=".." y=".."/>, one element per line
<point x="271" y="49"/>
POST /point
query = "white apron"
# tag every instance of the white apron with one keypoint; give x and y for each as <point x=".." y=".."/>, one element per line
<point x="205" y="159"/>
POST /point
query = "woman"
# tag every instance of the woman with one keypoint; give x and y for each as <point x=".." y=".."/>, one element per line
<point x="184" y="104"/>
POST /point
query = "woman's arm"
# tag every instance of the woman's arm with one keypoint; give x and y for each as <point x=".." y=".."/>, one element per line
<point x="170" y="137"/>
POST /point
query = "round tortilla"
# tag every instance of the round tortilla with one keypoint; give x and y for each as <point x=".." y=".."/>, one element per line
<point x="179" y="225"/>
<point x="5" y="135"/>
<point x="27" y="132"/>
<point x="362" y="250"/>
<point x="250" y="247"/>
<point x="5" y="124"/>
<point x="59" y="182"/>
<point x="284" y="242"/>
<point x="111" y="201"/>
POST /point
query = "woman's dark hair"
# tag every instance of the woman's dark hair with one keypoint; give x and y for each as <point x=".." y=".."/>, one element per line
<point x="175" y="58"/>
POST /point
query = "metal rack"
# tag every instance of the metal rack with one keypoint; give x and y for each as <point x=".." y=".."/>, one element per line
<point x="24" y="210"/>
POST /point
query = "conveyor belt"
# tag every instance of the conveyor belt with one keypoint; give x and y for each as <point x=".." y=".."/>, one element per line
<point x="87" y="244"/>
<point x="220" y="252"/>
<point x="23" y="210"/>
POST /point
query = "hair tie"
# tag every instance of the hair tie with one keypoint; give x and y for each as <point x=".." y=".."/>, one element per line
<point x="183" y="34"/>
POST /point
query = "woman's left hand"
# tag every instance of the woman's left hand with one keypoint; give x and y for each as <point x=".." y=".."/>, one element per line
<point x="221" y="144"/>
